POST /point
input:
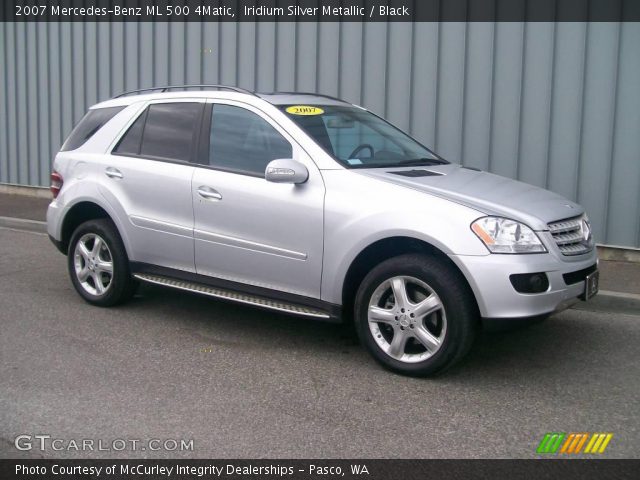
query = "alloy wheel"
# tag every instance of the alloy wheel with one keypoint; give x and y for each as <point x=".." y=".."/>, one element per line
<point x="93" y="264"/>
<point x="407" y="319"/>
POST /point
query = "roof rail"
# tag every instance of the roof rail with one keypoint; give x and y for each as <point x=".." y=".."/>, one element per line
<point x="308" y="93"/>
<point x="185" y="87"/>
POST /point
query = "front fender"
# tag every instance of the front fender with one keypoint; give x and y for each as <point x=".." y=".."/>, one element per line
<point x="366" y="211"/>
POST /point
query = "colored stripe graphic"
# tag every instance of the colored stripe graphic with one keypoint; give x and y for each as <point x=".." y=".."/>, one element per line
<point x="573" y="443"/>
<point x="598" y="443"/>
<point x="542" y="448"/>
<point x="605" y="442"/>
<point x="581" y="442"/>
<point x="550" y="442"/>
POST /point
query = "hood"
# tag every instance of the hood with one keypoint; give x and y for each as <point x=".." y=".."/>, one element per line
<point x="483" y="191"/>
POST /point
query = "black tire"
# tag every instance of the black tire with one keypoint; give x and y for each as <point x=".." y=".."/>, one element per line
<point x="457" y="303"/>
<point x="121" y="286"/>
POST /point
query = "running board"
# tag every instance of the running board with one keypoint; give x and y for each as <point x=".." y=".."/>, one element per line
<point x="233" y="296"/>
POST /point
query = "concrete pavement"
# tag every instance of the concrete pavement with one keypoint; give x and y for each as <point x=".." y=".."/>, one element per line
<point x="23" y="206"/>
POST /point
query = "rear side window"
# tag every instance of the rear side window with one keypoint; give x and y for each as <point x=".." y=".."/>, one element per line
<point x="130" y="142"/>
<point x="93" y="121"/>
<point x="163" y="131"/>
<point x="243" y="142"/>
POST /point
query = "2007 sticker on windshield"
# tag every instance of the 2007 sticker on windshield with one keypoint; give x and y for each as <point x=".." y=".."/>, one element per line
<point x="304" y="110"/>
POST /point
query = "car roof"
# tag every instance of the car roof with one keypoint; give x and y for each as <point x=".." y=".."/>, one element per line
<point x="292" y="98"/>
<point x="219" y="92"/>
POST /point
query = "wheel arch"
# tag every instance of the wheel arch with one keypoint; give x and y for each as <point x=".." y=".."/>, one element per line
<point x="381" y="250"/>
<point x="80" y="212"/>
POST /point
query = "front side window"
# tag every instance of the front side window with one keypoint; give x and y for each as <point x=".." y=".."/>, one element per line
<point x="164" y="131"/>
<point x="244" y="142"/>
<point x="359" y="139"/>
<point x="93" y="121"/>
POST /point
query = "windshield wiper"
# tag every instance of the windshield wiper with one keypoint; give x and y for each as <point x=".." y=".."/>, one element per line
<point x="421" y="161"/>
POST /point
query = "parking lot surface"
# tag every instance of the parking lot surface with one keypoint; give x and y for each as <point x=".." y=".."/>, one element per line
<point x="241" y="382"/>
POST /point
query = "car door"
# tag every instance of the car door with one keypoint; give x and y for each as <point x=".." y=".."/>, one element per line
<point x="147" y="178"/>
<point x="247" y="229"/>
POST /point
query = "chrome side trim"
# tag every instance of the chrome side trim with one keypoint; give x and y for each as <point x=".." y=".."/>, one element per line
<point x="231" y="295"/>
<point x="157" y="225"/>
<point x="247" y="245"/>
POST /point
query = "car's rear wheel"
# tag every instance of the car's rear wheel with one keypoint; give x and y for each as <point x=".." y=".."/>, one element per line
<point x="415" y="314"/>
<point x="98" y="264"/>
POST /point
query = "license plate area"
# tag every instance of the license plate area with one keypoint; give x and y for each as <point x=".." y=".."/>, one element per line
<point x="591" y="284"/>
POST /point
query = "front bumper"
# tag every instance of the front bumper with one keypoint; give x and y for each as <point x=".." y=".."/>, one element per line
<point x="488" y="276"/>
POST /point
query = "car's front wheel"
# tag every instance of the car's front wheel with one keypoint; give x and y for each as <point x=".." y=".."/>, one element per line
<point x="98" y="264"/>
<point x="415" y="314"/>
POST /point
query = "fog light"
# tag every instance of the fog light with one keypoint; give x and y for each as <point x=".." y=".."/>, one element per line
<point x="530" y="282"/>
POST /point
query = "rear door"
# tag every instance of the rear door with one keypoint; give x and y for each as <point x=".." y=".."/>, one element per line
<point x="247" y="229"/>
<point x="147" y="178"/>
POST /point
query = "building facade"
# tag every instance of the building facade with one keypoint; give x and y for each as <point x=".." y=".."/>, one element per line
<point x="552" y="104"/>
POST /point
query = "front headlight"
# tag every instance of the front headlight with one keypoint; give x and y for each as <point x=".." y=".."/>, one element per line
<point x="502" y="235"/>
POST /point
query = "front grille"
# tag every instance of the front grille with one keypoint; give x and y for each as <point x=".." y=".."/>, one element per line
<point x="572" y="235"/>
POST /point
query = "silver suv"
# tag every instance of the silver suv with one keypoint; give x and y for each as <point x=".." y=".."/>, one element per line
<point x="312" y="206"/>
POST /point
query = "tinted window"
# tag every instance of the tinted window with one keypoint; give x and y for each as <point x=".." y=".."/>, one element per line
<point x="130" y="143"/>
<point x="242" y="141"/>
<point x="169" y="130"/>
<point x="93" y="121"/>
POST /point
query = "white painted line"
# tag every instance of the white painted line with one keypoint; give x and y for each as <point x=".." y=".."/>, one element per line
<point x="21" y="220"/>
<point x="19" y="230"/>
<point x="610" y="293"/>
<point x="23" y="224"/>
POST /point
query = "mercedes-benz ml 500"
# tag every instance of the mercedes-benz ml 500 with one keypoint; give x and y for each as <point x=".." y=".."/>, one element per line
<point x="312" y="206"/>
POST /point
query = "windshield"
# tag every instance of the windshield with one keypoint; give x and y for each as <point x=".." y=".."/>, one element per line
<point x="358" y="138"/>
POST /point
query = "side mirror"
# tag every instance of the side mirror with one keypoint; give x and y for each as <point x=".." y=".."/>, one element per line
<point x="286" y="170"/>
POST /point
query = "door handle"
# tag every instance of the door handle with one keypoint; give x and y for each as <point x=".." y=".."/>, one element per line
<point x="113" y="172"/>
<point x="209" y="193"/>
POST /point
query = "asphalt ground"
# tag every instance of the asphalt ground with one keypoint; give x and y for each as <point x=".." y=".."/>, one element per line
<point x="245" y="383"/>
